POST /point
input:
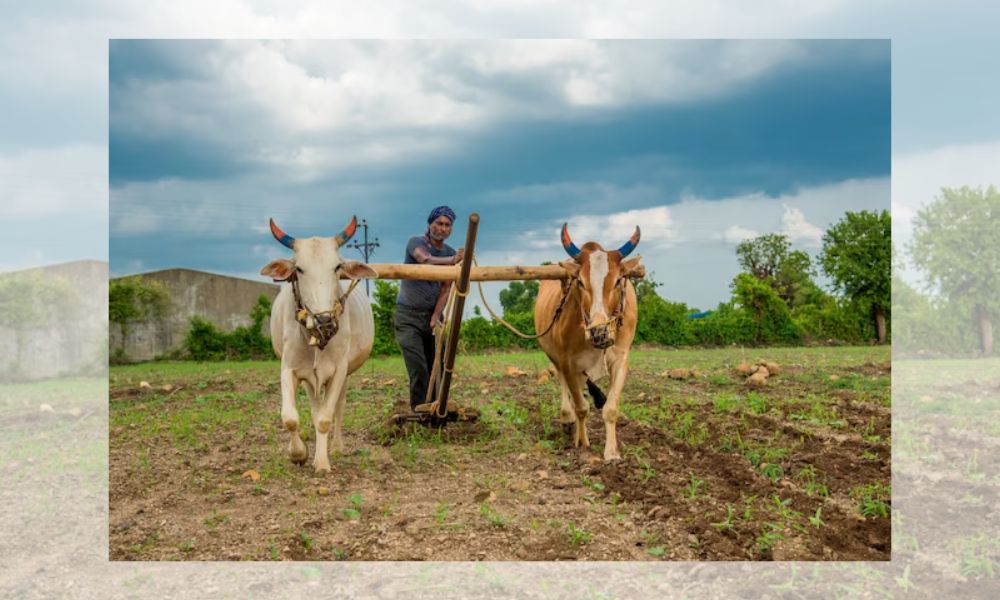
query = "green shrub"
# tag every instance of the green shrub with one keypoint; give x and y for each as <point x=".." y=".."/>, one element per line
<point x="204" y="342"/>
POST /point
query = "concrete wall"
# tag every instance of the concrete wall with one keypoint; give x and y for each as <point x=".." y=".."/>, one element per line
<point x="224" y="301"/>
<point x="60" y="337"/>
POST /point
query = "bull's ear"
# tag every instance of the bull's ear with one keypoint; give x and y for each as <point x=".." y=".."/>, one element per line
<point x="280" y="269"/>
<point x="357" y="270"/>
<point x="572" y="267"/>
<point x="634" y="268"/>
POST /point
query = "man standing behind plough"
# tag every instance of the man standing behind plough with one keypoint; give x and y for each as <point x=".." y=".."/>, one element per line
<point x="419" y="304"/>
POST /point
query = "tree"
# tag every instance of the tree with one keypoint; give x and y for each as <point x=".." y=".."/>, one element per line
<point x="762" y="255"/>
<point x="135" y="300"/>
<point x="769" y="258"/>
<point x="771" y="319"/>
<point x="384" y="310"/>
<point x="857" y="256"/>
<point x="955" y="243"/>
<point x="519" y="297"/>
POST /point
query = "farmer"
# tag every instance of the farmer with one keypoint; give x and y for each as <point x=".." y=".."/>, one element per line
<point x="420" y="303"/>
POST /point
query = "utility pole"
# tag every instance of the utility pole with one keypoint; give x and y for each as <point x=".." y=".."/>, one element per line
<point x="366" y="248"/>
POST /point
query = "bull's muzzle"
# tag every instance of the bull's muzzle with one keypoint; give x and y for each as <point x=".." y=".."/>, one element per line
<point x="601" y="337"/>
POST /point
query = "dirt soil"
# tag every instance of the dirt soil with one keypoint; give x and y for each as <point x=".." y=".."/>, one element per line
<point x="218" y="486"/>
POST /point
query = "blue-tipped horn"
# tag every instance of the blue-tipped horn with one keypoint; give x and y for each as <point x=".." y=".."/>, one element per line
<point x="630" y="245"/>
<point x="568" y="244"/>
<point x="285" y="239"/>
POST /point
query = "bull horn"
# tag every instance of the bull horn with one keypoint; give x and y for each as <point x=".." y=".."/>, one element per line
<point x="630" y="245"/>
<point x="348" y="232"/>
<point x="568" y="244"/>
<point x="285" y="239"/>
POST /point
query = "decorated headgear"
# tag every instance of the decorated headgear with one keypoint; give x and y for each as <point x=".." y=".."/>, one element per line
<point x="441" y="210"/>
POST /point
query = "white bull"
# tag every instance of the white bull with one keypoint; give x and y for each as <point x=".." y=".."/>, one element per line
<point x="320" y="335"/>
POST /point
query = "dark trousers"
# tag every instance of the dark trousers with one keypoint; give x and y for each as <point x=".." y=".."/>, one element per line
<point x="416" y="339"/>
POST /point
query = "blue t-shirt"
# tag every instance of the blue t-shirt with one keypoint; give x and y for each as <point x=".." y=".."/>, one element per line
<point x="421" y="295"/>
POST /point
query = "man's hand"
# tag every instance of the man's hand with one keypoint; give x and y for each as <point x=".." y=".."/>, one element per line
<point x="435" y="320"/>
<point x="458" y="257"/>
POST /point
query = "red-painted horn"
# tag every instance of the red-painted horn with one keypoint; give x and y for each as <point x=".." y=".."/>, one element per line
<point x="568" y="244"/>
<point x="285" y="239"/>
<point x="348" y="232"/>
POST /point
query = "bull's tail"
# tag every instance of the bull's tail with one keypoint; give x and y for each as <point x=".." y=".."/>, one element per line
<point x="596" y="393"/>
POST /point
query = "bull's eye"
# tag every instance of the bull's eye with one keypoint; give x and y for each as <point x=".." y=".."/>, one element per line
<point x="338" y="268"/>
<point x="299" y="269"/>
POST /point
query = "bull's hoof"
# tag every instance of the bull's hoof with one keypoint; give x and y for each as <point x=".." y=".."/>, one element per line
<point x="612" y="458"/>
<point x="321" y="467"/>
<point x="297" y="450"/>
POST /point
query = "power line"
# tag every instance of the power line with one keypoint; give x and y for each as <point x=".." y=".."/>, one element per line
<point x="366" y="248"/>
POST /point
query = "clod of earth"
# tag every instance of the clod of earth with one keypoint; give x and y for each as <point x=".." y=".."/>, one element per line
<point x="251" y="475"/>
<point x="772" y="367"/>
<point x="144" y="385"/>
<point x="677" y="373"/>
<point x="513" y="371"/>
<point x="758" y="378"/>
<point x="167" y="388"/>
<point x="46" y="408"/>
<point x="486" y="496"/>
<point x="543" y="376"/>
<point x="743" y="368"/>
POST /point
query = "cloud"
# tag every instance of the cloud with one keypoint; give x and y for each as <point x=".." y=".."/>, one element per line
<point x="736" y="234"/>
<point x="334" y="105"/>
<point x="798" y="229"/>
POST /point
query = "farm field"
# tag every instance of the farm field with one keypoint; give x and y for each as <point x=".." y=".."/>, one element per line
<point x="712" y="469"/>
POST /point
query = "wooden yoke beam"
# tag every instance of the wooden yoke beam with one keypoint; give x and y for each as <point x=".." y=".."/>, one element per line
<point x="445" y="273"/>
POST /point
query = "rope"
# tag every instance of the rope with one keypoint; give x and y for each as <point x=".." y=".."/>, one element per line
<point x="513" y="329"/>
<point x="439" y="337"/>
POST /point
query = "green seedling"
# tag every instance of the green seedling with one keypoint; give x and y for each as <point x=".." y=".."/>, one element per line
<point x="817" y="520"/>
<point x="692" y="489"/>
<point x="578" y="536"/>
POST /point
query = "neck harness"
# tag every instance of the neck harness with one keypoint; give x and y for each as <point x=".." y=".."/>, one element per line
<point x="321" y="326"/>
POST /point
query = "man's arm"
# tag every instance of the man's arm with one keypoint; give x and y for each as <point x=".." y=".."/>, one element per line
<point x="422" y="256"/>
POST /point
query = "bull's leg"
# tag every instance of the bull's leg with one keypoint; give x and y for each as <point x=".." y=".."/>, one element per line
<point x="580" y="409"/>
<point x="338" y="419"/>
<point x="321" y="459"/>
<point x="323" y="416"/>
<point x="618" y="368"/>
<point x="290" y="416"/>
<point x="567" y="416"/>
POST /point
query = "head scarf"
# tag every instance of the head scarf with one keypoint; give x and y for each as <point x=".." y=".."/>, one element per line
<point x="441" y="210"/>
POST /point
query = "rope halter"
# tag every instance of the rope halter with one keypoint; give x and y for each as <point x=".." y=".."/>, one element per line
<point x="320" y="326"/>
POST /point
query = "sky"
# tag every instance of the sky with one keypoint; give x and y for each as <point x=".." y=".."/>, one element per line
<point x="700" y="143"/>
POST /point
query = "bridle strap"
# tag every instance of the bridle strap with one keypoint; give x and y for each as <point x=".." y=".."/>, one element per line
<point x="320" y="334"/>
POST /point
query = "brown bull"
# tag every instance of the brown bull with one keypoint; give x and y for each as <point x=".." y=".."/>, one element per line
<point x="594" y="316"/>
